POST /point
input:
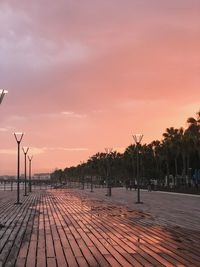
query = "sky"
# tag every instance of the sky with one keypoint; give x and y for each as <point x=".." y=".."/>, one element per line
<point x="85" y="75"/>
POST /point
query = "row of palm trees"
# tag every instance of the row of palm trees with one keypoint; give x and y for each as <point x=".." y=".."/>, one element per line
<point x="174" y="160"/>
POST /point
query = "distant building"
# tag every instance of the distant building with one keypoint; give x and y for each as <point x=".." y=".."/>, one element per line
<point x="7" y="177"/>
<point x="41" y="176"/>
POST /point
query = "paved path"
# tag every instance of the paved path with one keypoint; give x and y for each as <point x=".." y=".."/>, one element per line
<point x="69" y="228"/>
<point x="167" y="208"/>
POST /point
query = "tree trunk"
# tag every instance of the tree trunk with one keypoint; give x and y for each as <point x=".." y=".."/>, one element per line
<point x="188" y="168"/>
<point x="184" y="167"/>
<point x="176" y="167"/>
<point x="176" y="170"/>
<point x="167" y="167"/>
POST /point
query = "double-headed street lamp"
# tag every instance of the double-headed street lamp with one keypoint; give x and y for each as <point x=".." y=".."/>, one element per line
<point x="138" y="138"/>
<point x="108" y="182"/>
<point x="30" y="160"/>
<point x="18" y="137"/>
<point x="2" y="94"/>
<point x="25" y="150"/>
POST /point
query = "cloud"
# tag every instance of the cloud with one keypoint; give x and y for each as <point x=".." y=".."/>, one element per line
<point x="140" y="103"/>
<point x="40" y="54"/>
<point x="36" y="150"/>
<point x="75" y="149"/>
<point x="42" y="150"/>
<point x="24" y="49"/>
<point x="16" y="118"/>
<point x="56" y="115"/>
<point x="8" y="151"/>
<point x="99" y="111"/>
<point x="32" y="150"/>
<point x="190" y="108"/>
<point x="70" y="149"/>
<point x="3" y="129"/>
<point x="72" y="114"/>
<point x="76" y="68"/>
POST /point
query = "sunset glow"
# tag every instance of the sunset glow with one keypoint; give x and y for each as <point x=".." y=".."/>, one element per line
<point x="85" y="75"/>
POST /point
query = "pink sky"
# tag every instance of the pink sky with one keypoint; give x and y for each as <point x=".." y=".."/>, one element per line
<point x="85" y="75"/>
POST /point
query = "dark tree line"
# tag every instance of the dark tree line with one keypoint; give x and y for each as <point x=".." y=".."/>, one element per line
<point x="173" y="160"/>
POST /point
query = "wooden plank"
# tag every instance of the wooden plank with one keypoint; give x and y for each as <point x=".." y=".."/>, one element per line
<point x="57" y="228"/>
<point x="31" y="257"/>
<point x="60" y="257"/>
<point x="51" y="262"/>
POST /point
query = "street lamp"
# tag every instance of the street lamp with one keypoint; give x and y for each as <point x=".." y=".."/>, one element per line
<point x="82" y="174"/>
<point x="138" y="138"/>
<point x="2" y="94"/>
<point x="18" y="137"/>
<point x="30" y="159"/>
<point x="25" y="150"/>
<point x="108" y="152"/>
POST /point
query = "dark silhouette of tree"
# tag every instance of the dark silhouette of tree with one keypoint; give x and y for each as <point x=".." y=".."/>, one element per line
<point x="177" y="155"/>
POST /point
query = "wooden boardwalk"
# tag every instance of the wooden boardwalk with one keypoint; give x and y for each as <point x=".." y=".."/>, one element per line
<point x="62" y="228"/>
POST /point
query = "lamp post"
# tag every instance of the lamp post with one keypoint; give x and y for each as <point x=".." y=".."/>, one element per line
<point x="82" y="174"/>
<point x="18" y="137"/>
<point x="138" y="138"/>
<point x="25" y="150"/>
<point x="2" y="94"/>
<point x="108" y="152"/>
<point x="30" y="160"/>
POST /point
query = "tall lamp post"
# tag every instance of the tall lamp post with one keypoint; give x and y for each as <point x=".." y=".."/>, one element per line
<point x="108" y="152"/>
<point x="2" y="94"/>
<point x="25" y="150"/>
<point x="18" y="137"/>
<point x="30" y="161"/>
<point x="138" y="138"/>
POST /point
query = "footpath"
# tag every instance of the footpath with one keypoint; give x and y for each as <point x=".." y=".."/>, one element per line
<point x="167" y="208"/>
<point x="73" y="227"/>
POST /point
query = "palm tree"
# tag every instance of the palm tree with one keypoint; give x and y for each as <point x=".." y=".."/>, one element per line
<point x="194" y="130"/>
<point x="57" y="176"/>
<point x="186" y="150"/>
<point x="156" y="147"/>
<point x="177" y="153"/>
<point x="173" y="138"/>
<point x="129" y="163"/>
<point x="194" y="124"/>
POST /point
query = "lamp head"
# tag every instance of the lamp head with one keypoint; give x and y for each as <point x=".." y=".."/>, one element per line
<point x="18" y="136"/>
<point x="30" y="157"/>
<point x="2" y="94"/>
<point x="25" y="149"/>
<point x="137" y="138"/>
